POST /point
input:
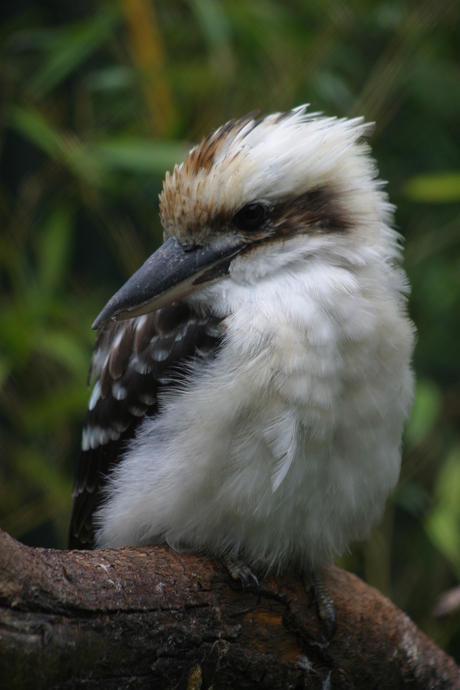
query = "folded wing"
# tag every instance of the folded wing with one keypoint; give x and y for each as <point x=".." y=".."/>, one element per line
<point x="133" y="362"/>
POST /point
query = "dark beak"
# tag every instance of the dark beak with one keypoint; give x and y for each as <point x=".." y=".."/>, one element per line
<point x="171" y="273"/>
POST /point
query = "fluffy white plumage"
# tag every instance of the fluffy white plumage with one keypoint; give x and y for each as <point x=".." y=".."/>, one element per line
<point x="285" y="446"/>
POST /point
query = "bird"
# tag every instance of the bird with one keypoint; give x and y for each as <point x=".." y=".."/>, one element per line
<point x="252" y="380"/>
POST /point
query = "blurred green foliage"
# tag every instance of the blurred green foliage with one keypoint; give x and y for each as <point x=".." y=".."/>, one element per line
<point x="99" y="99"/>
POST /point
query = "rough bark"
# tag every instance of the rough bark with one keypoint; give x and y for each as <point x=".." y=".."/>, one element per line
<point x="151" y="618"/>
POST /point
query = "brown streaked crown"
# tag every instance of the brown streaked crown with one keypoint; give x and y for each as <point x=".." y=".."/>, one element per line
<point x="182" y="209"/>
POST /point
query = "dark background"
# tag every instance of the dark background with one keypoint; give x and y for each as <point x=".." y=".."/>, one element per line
<point x="98" y="99"/>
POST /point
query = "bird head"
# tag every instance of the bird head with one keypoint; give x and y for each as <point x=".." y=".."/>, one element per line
<point x="258" y="187"/>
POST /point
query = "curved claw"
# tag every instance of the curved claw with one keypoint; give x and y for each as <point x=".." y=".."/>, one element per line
<point x="240" y="571"/>
<point x="314" y="595"/>
<point x="242" y="577"/>
<point x="256" y="586"/>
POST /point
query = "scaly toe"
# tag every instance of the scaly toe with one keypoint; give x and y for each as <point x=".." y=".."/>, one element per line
<point x="240" y="571"/>
<point x="324" y="604"/>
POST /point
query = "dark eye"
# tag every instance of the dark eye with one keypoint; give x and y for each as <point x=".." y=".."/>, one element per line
<point x="250" y="217"/>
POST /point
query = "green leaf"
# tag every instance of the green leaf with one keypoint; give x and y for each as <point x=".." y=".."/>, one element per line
<point x="31" y="124"/>
<point x="214" y="23"/>
<point x="110" y="79"/>
<point x="425" y="412"/>
<point x="443" y="521"/>
<point x="440" y="188"/>
<point x="54" y="249"/>
<point x="63" y="348"/>
<point x="51" y="411"/>
<point x="5" y="370"/>
<point x="77" y="157"/>
<point x="412" y="497"/>
<point x="71" y="46"/>
<point x="46" y="475"/>
<point x="141" y="156"/>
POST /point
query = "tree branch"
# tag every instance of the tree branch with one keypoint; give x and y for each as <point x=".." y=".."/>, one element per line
<point x="148" y="617"/>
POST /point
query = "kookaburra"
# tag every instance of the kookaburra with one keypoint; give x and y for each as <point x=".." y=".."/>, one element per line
<point x="253" y="377"/>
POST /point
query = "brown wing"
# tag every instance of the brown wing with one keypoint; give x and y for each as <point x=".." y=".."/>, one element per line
<point x="132" y="362"/>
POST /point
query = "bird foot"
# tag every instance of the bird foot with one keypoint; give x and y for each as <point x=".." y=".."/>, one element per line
<point x="238" y="570"/>
<point x="324" y="604"/>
